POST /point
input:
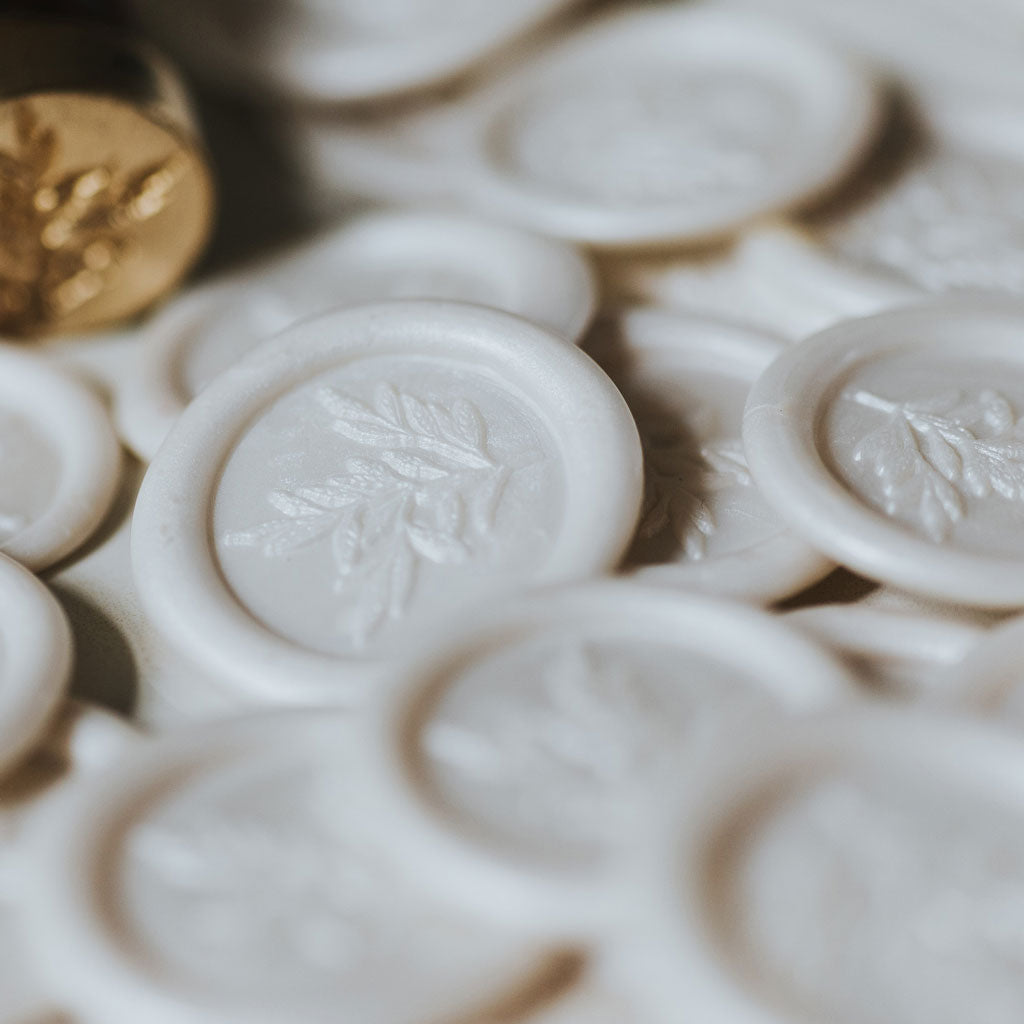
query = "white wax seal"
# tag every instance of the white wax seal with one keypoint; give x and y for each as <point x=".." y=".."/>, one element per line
<point x="895" y="444"/>
<point x="649" y="127"/>
<point x="860" y="868"/>
<point x="60" y="460"/>
<point x="704" y="525"/>
<point x="949" y="220"/>
<point x="245" y="879"/>
<point x="340" y="50"/>
<point x="668" y="125"/>
<point x="370" y="473"/>
<point x="380" y="256"/>
<point x="35" y="660"/>
<point x="530" y="745"/>
<point x="81" y="739"/>
<point x="896" y="654"/>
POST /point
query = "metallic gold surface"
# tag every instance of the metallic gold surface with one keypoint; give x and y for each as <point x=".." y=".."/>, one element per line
<point x="105" y="199"/>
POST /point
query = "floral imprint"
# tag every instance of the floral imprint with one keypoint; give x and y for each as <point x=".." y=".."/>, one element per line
<point x="953" y="221"/>
<point x="260" y="888"/>
<point x="931" y="455"/>
<point x="675" y="474"/>
<point x="881" y="900"/>
<point x="550" y="746"/>
<point x="665" y="138"/>
<point x="426" y="488"/>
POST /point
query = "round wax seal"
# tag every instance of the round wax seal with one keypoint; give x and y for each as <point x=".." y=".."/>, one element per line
<point x="247" y="881"/>
<point x="391" y="255"/>
<point x="950" y="220"/>
<point x="370" y="473"/>
<point x="651" y="127"/>
<point x="895" y="445"/>
<point x="59" y="457"/>
<point x="342" y="50"/>
<point x="35" y="660"/>
<point x="704" y="525"/>
<point x="861" y="868"/>
<point x="530" y="746"/>
<point x="667" y="125"/>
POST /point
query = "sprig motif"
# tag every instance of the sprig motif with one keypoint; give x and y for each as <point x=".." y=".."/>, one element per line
<point x="678" y="479"/>
<point x="953" y="221"/>
<point x="258" y="887"/>
<point x="595" y="725"/>
<point x="931" y="454"/>
<point x="427" y="489"/>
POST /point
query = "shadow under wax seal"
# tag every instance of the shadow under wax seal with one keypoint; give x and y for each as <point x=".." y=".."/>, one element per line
<point x="105" y="197"/>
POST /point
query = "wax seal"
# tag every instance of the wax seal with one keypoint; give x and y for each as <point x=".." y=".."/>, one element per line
<point x="532" y="744"/>
<point x="105" y="198"/>
<point x="369" y="473"/>
<point x="259" y="825"/>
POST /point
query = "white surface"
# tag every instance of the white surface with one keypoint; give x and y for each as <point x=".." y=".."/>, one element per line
<point x="368" y="474"/>
<point x="648" y="127"/>
<point x="245" y="879"/>
<point x="893" y="444"/>
<point x="896" y="654"/>
<point x="529" y="747"/>
<point x="59" y="460"/>
<point x="704" y="526"/>
<point x="35" y="661"/>
<point x="380" y="256"/>
<point x="338" y="50"/>
<point x="861" y="868"/>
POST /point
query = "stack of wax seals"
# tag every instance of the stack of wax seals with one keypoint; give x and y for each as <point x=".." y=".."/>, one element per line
<point x="576" y="576"/>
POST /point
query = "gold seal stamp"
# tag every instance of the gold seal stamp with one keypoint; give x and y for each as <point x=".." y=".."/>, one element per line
<point x="105" y="197"/>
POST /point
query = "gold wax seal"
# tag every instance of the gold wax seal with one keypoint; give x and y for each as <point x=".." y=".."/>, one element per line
<point x="105" y="197"/>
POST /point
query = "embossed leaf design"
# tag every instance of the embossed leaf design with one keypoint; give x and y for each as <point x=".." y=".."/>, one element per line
<point x="426" y="490"/>
<point x="676" y="480"/>
<point x="257" y="888"/>
<point x="954" y="221"/>
<point x="593" y="723"/>
<point x="63" y="234"/>
<point x="930" y="454"/>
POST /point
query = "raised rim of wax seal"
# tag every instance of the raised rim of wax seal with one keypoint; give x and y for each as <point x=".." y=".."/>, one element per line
<point x="781" y="428"/>
<point x="35" y="661"/>
<point x="78" y="845"/>
<point x="176" y="570"/>
<point x="685" y="963"/>
<point x="74" y="422"/>
<point x="570" y="895"/>
<point x="835" y="114"/>
<point x="763" y="571"/>
<point x="540" y="279"/>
